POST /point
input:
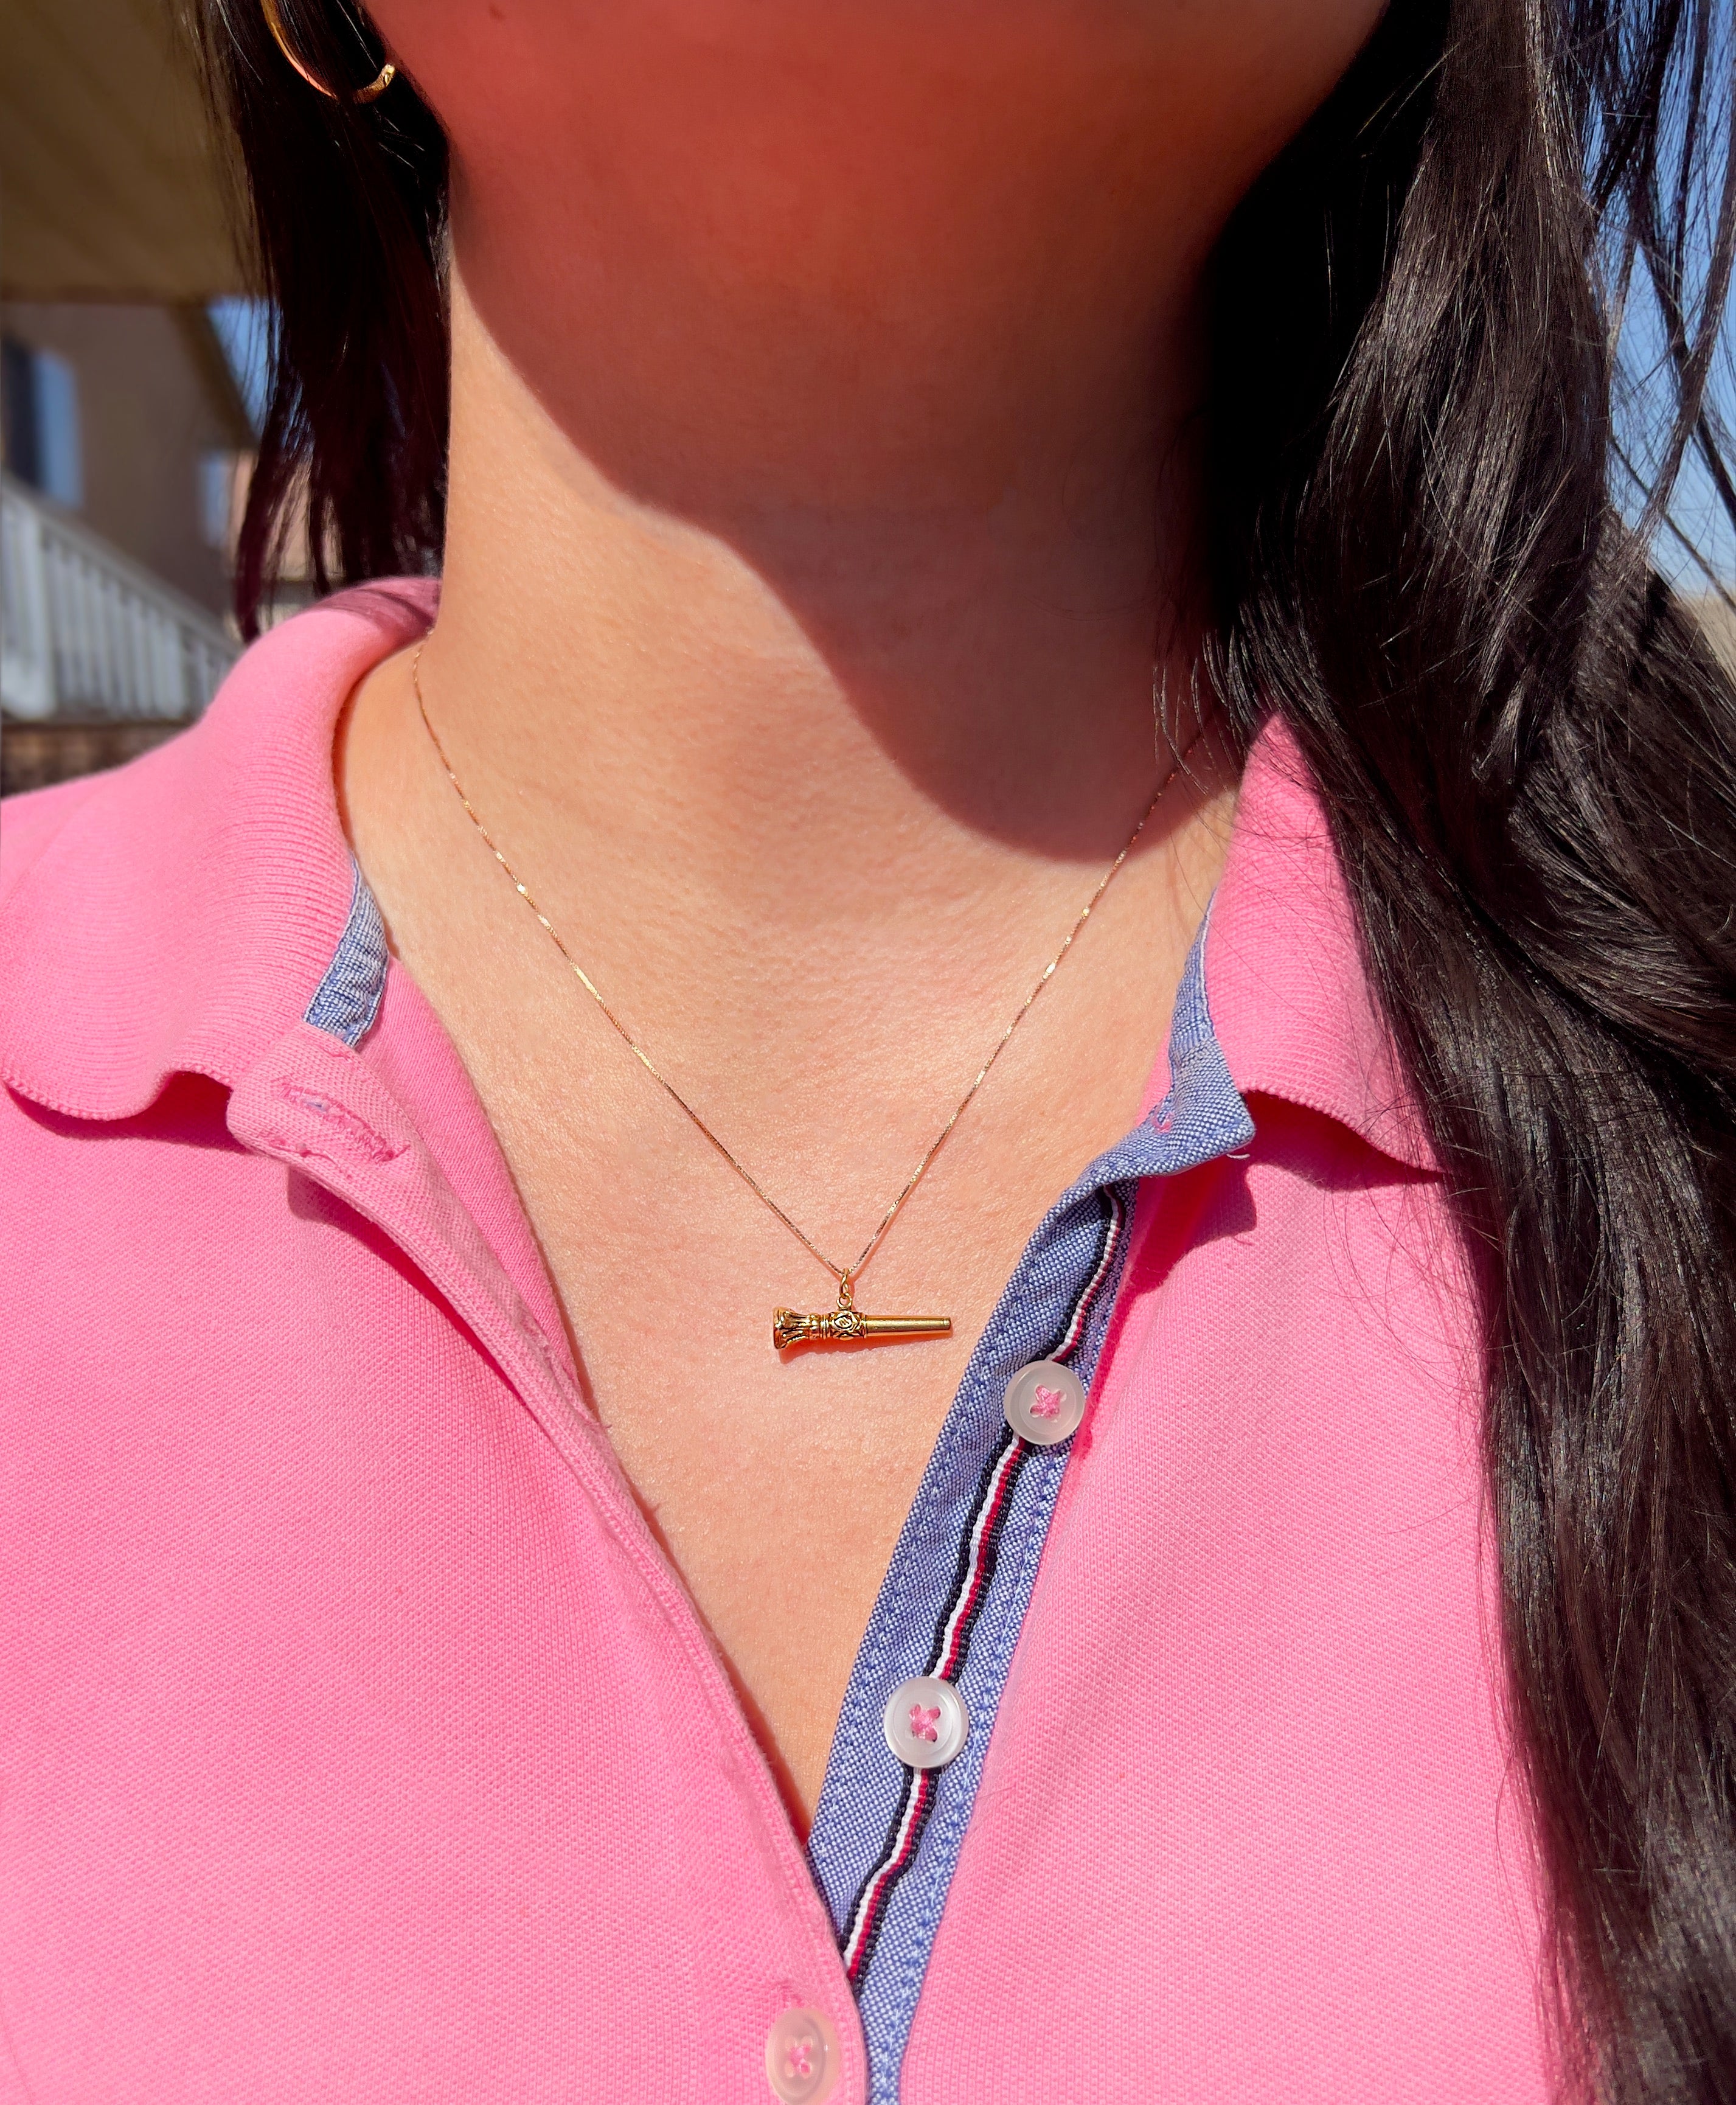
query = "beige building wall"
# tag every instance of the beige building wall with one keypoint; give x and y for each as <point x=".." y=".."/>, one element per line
<point x="156" y="399"/>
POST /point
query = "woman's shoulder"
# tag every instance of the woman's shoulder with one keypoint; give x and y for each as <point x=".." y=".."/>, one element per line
<point x="155" y="918"/>
<point x="290" y="677"/>
<point x="28" y="822"/>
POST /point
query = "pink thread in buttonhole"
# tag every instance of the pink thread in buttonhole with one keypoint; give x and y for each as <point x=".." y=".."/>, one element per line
<point x="1047" y="1402"/>
<point x="923" y="1722"/>
<point x="356" y="1136"/>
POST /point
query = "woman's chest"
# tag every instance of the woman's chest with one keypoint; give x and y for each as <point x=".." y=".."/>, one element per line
<point x="359" y="1736"/>
<point x="779" y="1480"/>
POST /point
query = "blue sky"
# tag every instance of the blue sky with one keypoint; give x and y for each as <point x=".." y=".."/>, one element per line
<point x="243" y="329"/>
<point x="1694" y="506"/>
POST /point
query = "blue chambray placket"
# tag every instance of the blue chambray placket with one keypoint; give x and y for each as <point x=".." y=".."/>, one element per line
<point x="347" y="999"/>
<point x="857" y="1839"/>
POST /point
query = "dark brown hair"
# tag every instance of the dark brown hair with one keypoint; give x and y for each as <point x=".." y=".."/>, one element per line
<point x="1421" y="559"/>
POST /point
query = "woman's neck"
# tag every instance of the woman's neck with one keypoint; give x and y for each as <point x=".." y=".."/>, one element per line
<point x="825" y="415"/>
<point x="864" y="642"/>
<point x="835" y="480"/>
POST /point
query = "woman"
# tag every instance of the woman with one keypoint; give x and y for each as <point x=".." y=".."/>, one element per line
<point x="1261" y="1622"/>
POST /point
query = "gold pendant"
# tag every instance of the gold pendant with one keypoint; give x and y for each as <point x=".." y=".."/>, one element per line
<point x="842" y="1324"/>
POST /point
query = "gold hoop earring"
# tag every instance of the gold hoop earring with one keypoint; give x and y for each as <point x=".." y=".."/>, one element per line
<point x="372" y="93"/>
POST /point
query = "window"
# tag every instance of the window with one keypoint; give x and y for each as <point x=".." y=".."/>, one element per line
<point x="39" y="422"/>
<point x="222" y="484"/>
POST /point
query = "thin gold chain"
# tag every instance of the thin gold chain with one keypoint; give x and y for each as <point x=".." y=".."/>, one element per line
<point x="845" y="1275"/>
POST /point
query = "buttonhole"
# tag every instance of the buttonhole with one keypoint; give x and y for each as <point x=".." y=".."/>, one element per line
<point x="358" y="1136"/>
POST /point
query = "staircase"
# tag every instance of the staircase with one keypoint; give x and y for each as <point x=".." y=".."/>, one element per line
<point x="98" y="659"/>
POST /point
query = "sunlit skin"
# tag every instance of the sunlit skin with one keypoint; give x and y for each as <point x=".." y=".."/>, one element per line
<point x="824" y="476"/>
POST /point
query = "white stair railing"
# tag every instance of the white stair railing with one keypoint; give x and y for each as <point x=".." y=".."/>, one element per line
<point x="86" y="631"/>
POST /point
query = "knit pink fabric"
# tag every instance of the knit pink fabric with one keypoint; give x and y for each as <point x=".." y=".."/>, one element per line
<point x="356" y="1740"/>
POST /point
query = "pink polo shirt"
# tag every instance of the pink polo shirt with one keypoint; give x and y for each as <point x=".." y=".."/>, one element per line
<point x="356" y="1739"/>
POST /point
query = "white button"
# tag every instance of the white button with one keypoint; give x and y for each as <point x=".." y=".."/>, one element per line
<point x="1045" y="1402"/>
<point x="801" y="2056"/>
<point x="926" y="1722"/>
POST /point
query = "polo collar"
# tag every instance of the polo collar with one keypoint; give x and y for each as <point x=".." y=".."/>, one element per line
<point x="188" y="908"/>
<point x="1290" y="1006"/>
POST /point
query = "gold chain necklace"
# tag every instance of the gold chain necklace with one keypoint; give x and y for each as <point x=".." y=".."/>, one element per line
<point x="846" y="1322"/>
